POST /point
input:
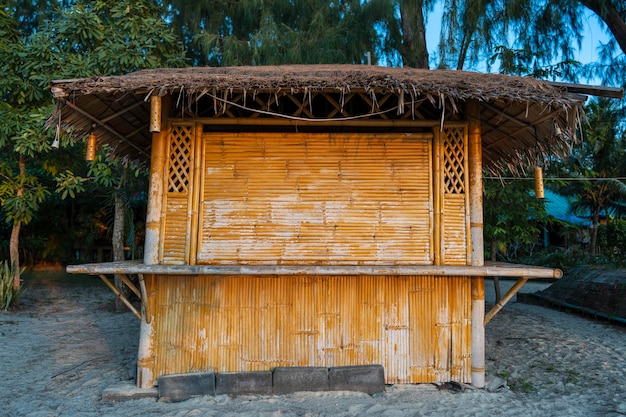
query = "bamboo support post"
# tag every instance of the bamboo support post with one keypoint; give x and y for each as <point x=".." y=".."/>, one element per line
<point x="155" y="201"/>
<point x="145" y="351"/>
<point x="155" y="114"/>
<point x="477" y="245"/>
<point x="509" y="294"/>
<point x="120" y="295"/>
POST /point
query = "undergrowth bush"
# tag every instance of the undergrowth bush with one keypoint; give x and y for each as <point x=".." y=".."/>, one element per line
<point x="9" y="296"/>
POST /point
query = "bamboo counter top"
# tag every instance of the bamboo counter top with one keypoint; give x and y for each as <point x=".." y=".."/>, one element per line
<point x="490" y="269"/>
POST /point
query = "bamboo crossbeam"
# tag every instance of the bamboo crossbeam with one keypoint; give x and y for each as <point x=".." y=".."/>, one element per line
<point x="120" y="295"/>
<point x="500" y="304"/>
<point x="490" y="269"/>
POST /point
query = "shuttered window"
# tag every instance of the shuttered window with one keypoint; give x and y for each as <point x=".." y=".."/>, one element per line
<point x="270" y="198"/>
<point x="176" y="222"/>
<point x="455" y="213"/>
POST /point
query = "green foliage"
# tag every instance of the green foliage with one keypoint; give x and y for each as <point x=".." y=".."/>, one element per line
<point x="258" y="32"/>
<point x="9" y="296"/>
<point x="513" y="218"/>
<point x="80" y="39"/>
<point x="70" y="184"/>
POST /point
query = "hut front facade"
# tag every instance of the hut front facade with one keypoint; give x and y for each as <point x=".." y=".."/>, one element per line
<point x="315" y="215"/>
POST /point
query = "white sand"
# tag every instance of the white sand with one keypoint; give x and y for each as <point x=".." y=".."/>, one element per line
<point x="64" y="346"/>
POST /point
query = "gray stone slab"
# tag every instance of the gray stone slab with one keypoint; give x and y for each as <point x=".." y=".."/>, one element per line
<point x="241" y="383"/>
<point x="128" y="391"/>
<point x="180" y="387"/>
<point x="300" y="378"/>
<point x="366" y="378"/>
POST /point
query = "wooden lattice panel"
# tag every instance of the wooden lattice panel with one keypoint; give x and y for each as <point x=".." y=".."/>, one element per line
<point x="179" y="159"/>
<point x="454" y="161"/>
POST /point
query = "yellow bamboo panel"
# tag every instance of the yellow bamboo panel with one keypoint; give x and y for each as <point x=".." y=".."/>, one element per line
<point x="454" y="230"/>
<point x="174" y="238"/>
<point x="416" y="327"/>
<point x="315" y="198"/>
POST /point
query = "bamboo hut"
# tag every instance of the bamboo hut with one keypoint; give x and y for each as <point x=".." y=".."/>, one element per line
<point x="318" y="215"/>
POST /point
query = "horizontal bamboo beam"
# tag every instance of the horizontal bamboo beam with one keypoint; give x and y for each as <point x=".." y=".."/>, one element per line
<point x="490" y="269"/>
<point x="592" y="90"/>
<point x="251" y="121"/>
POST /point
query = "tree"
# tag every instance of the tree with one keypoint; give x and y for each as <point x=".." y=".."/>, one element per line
<point x="539" y="36"/>
<point x="91" y="37"/>
<point x="513" y="221"/>
<point x="414" y="48"/>
<point x="261" y="32"/>
<point x="598" y="164"/>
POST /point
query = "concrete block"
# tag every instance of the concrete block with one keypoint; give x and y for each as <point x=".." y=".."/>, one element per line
<point x="300" y="378"/>
<point x="366" y="378"/>
<point x="180" y="387"/>
<point x="127" y="391"/>
<point x="241" y="383"/>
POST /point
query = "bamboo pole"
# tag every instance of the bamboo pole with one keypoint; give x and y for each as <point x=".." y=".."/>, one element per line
<point x="130" y="285"/>
<point x="509" y="294"/>
<point x="155" y="199"/>
<point x="120" y="295"/>
<point x="437" y="195"/>
<point x="477" y="245"/>
<point x="155" y="113"/>
<point x="145" y="351"/>
<point x="539" y="190"/>
<point x="195" y="189"/>
<point x="144" y="299"/>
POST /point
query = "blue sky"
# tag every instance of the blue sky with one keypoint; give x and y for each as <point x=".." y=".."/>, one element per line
<point x="595" y="33"/>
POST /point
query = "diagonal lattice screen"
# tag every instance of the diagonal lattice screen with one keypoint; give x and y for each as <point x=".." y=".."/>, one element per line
<point x="179" y="159"/>
<point x="454" y="161"/>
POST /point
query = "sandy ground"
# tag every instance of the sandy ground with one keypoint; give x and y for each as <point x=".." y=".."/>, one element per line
<point x="64" y="346"/>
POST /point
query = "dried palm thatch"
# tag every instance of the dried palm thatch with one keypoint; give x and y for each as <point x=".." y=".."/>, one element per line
<point x="522" y="119"/>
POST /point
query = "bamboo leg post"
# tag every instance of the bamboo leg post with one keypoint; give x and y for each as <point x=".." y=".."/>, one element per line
<point x="478" y="332"/>
<point x="145" y="351"/>
<point x="509" y="294"/>
<point x="477" y="256"/>
<point x="120" y="295"/>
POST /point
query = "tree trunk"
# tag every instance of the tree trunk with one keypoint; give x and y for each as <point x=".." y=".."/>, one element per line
<point x="414" y="50"/>
<point x="14" y="244"/>
<point x="14" y="252"/>
<point x="118" y="246"/>
<point x="607" y="11"/>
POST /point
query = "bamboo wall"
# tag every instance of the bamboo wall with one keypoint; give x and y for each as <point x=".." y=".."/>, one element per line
<point x="418" y="328"/>
<point x="333" y="198"/>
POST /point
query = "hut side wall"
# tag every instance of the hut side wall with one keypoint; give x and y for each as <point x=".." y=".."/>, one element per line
<point x="417" y="327"/>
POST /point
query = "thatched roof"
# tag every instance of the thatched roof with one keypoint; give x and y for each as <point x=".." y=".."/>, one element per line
<point x="521" y="117"/>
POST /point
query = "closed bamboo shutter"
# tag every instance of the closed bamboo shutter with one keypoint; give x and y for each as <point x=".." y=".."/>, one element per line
<point x="316" y="199"/>
<point x="176" y="223"/>
<point x="455" y="212"/>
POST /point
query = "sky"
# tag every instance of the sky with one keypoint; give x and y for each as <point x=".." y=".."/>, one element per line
<point x="595" y="33"/>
